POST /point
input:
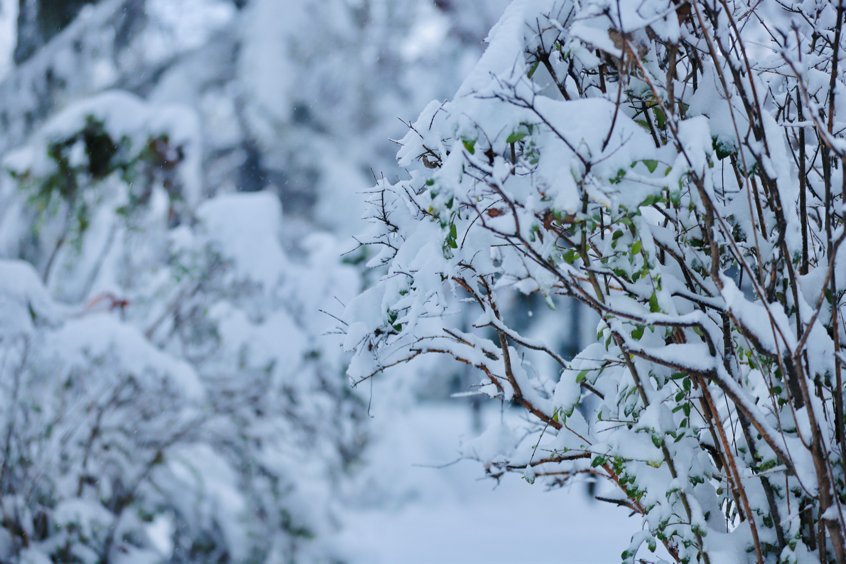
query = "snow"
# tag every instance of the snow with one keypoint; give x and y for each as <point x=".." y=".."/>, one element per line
<point x="246" y="228"/>
<point x="189" y="22"/>
<point x="194" y="342"/>
<point x="222" y="500"/>
<point x="454" y="514"/>
<point x="768" y="324"/>
<point x="502" y="54"/>
<point x="101" y="335"/>
<point x="8" y="34"/>
<point x="264" y="60"/>
<point x="277" y="341"/>
<point x="23" y="299"/>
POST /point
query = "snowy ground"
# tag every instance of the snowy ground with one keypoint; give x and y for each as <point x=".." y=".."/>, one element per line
<point x="450" y="515"/>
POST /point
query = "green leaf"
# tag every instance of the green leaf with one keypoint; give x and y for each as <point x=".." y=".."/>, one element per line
<point x="570" y="256"/>
<point x="470" y="145"/>
<point x="516" y="137"/>
<point x="636" y="247"/>
<point x="620" y="273"/>
<point x="651" y="164"/>
<point x="617" y="178"/>
<point x="660" y="117"/>
<point x="653" y="303"/>
<point x="650" y="200"/>
<point x="723" y="149"/>
<point x="637" y="332"/>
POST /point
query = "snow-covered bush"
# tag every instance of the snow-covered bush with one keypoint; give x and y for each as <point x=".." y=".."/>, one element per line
<point x="678" y="168"/>
<point x="141" y="267"/>
<point x="163" y="389"/>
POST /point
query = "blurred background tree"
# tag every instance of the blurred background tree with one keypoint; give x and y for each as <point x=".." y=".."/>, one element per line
<point x="185" y="176"/>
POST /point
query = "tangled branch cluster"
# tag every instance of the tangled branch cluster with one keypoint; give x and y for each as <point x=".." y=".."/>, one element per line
<point x="677" y="167"/>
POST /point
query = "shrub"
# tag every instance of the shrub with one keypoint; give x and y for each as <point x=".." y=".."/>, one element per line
<point x="677" y="167"/>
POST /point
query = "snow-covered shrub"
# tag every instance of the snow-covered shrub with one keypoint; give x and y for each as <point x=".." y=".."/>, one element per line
<point x="678" y="168"/>
<point x="163" y="391"/>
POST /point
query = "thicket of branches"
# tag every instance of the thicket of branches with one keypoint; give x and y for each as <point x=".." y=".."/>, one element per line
<point x="148" y="413"/>
<point x="676" y="166"/>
